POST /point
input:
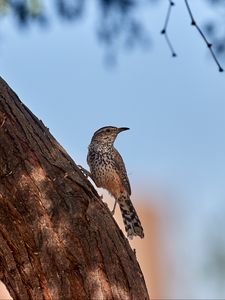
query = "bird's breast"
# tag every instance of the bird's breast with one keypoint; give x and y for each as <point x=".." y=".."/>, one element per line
<point x="104" y="174"/>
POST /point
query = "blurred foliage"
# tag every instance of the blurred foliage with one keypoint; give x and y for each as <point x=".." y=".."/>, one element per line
<point x="214" y="260"/>
<point x="215" y="27"/>
<point x="118" y="20"/>
<point x="23" y="11"/>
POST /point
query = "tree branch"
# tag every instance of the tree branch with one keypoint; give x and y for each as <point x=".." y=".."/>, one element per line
<point x="208" y="44"/>
<point x="164" y="30"/>
<point x="57" y="238"/>
<point x="193" y="23"/>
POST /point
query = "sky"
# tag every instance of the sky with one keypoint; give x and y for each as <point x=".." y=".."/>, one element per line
<point x="174" y="108"/>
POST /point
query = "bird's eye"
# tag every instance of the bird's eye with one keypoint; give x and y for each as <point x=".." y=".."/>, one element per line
<point x="107" y="130"/>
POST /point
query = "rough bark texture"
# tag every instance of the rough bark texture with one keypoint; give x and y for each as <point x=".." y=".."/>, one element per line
<point x="57" y="238"/>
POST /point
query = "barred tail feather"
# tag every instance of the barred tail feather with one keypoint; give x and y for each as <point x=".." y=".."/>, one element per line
<point x="130" y="218"/>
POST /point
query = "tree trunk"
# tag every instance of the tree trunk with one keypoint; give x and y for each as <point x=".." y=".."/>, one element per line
<point x="58" y="240"/>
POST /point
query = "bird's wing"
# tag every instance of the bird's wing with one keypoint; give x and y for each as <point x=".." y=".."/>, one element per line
<point x="121" y="170"/>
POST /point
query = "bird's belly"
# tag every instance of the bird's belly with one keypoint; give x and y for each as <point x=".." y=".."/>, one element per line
<point x="108" y="179"/>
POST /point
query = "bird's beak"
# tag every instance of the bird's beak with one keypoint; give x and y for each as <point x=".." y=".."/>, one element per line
<point x="123" y="129"/>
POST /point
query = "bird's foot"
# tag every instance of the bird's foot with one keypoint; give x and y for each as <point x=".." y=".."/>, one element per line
<point x="114" y="208"/>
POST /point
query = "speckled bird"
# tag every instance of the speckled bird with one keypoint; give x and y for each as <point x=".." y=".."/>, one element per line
<point x="108" y="171"/>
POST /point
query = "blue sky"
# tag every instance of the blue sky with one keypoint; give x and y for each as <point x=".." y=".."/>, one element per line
<point x="174" y="107"/>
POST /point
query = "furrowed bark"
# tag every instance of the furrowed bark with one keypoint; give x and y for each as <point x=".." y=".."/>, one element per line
<point x="58" y="240"/>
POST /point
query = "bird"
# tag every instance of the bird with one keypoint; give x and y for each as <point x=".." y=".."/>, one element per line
<point x="108" y="171"/>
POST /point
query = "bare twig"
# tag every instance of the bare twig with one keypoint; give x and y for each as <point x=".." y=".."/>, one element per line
<point x="164" y="30"/>
<point x="209" y="45"/>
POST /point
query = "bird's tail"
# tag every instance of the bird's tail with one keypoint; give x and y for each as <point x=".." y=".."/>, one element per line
<point x="130" y="218"/>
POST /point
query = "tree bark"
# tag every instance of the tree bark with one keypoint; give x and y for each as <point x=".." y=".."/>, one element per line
<point x="58" y="240"/>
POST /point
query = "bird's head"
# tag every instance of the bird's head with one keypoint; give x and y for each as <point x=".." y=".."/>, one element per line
<point x="107" y="134"/>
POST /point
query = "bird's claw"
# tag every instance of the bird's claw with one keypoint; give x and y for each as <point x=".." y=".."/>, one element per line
<point x="113" y="212"/>
<point x="114" y="208"/>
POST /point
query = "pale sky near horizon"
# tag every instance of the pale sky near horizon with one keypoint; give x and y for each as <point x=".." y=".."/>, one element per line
<point x="174" y="107"/>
